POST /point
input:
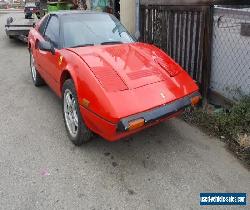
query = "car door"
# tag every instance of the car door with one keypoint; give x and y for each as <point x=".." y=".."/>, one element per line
<point x="47" y="61"/>
<point x="38" y="36"/>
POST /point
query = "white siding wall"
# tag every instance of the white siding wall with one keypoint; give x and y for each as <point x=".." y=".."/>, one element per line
<point x="128" y="14"/>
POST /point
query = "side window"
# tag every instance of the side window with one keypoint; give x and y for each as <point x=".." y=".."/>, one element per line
<point x="43" y="25"/>
<point x="52" y="31"/>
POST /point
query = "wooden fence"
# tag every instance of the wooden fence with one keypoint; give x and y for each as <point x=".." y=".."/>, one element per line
<point x="184" y="32"/>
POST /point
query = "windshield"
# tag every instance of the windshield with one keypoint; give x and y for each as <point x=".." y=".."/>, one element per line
<point x="93" y="29"/>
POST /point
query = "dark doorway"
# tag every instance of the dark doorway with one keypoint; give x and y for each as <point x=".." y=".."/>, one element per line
<point x="117" y="9"/>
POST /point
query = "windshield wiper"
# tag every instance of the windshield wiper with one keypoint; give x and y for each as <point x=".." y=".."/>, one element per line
<point x="111" y="42"/>
<point x="82" y="45"/>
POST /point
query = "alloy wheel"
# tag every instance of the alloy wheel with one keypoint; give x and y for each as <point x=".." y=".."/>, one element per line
<point x="70" y="112"/>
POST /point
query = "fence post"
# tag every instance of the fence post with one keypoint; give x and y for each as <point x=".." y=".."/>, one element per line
<point x="207" y="53"/>
<point x="142" y="21"/>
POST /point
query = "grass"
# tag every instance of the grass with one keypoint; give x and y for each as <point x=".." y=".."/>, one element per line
<point x="232" y="125"/>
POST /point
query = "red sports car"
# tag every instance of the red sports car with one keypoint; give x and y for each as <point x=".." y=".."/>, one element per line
<point x="110" y="84"/>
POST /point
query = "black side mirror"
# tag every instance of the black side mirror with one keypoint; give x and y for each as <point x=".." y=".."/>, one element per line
<point x="46" y="46"/>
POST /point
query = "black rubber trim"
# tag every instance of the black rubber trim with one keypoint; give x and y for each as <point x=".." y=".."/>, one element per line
<point x="18" y="26"/>
<point x="158" y="113"/>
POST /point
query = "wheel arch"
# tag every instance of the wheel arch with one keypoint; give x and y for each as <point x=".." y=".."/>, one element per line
<point x="67" y="74"/>
<point x="29" y="45"/>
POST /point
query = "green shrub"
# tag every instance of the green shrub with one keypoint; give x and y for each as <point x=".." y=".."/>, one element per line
<point x="230" y="125"/>
<point x="235" y="121"/>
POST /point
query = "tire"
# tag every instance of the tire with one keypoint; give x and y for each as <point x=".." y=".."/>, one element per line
<point x="11" y="37"/>
<point x="36" y="77"/>
<point x="77" y="131"/>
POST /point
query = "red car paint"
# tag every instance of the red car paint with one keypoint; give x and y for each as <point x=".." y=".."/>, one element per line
<point x="118" y="80"/>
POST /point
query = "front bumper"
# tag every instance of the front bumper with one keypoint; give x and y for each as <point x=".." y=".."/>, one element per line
<point x="158" y="113"/>
<point x="115" y="131"/>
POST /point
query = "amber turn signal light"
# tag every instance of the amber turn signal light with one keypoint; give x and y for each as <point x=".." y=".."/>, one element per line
<point x="85" y="103"/>
<point x="135" y="124"/>
<point x="195" y="100"/>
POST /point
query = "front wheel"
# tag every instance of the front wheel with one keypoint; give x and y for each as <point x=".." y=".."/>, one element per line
<point x="75" y="126"/>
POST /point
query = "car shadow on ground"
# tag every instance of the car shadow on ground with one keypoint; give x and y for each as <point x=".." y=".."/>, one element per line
<point x="149" y="149"/>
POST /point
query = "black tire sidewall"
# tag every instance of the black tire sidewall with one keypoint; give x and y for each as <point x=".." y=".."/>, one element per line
<point x="83" y="133"/>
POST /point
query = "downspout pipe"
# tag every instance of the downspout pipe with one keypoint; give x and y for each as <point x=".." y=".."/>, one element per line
<point x="137" y="17"/>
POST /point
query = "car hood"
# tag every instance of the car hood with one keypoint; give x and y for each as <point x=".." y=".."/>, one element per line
<point x="128" y="66"/>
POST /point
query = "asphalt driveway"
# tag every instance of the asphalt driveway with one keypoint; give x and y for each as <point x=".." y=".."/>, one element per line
<point x="165" y="167"/>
